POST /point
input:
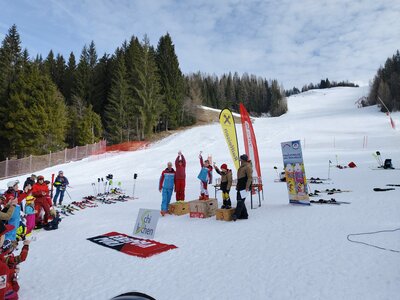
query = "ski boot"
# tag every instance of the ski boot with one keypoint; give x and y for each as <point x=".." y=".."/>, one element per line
<point x="228" y="204"/>
<point x="224" y="204"/>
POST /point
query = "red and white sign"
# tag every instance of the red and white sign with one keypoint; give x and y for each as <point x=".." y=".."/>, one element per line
<point x="130" y="245"/>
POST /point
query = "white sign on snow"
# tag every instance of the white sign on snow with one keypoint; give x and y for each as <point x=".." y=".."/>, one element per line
<point x="146" y="223"/>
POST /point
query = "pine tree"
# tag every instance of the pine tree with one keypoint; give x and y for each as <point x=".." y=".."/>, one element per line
<point x="171" y="80"/>
<point x="36" y="115"/>
<point x="119" y="121"/>
<point x="11" y="64"/>
<point x="148" y="90"/>
<point x="69" y="79"/>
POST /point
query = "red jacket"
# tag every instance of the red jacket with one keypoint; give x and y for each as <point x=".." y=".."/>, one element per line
<point x="38" y="190"/>
<point x="180" y="172"/>
<point x="12" y="261"/>
<point x="11" y="194"/>
<point x="4" y="277"/>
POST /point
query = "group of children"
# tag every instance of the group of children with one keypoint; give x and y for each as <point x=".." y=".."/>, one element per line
<point x="171" y="180"/>
<point x="22" y="211"/>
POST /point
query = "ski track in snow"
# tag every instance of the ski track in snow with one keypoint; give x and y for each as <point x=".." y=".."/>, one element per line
<point x="282" y="252"/>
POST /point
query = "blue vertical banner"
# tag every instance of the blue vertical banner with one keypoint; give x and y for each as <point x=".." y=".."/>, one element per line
<point x="295" y="174"/>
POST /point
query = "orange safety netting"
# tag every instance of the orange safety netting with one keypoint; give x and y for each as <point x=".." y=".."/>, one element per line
<point x="128" y="146"/>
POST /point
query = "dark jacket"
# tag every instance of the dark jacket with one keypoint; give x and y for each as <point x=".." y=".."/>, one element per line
<point x="61" y="182"/>
<point x="226" y="179"/>
<point x="29" y="181"/>
<point x="244" y="176"/>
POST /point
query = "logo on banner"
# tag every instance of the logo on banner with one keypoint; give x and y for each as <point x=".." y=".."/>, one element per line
<point x="295" y="173"/>
<point x="146" y="223"/>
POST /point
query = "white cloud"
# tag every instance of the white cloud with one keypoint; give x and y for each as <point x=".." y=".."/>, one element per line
<point x="296" y="42"/>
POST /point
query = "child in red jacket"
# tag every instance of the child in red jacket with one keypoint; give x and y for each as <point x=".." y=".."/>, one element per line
<point x="12" y="261"/>
<point x="180" y="177"/>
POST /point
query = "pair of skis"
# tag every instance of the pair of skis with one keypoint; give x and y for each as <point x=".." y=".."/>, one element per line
<point x="329" y="201"/>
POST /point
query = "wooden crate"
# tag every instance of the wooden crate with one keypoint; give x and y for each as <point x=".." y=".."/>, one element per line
<point x="179" y="208"/>
<point x="225" y="214"/>
<point x="203" y="208"/>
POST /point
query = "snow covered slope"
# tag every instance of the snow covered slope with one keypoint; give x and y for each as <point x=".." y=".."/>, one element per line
<point x="281" y="252"/>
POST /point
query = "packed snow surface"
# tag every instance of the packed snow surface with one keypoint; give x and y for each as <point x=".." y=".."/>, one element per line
<point x="282" y="251"/>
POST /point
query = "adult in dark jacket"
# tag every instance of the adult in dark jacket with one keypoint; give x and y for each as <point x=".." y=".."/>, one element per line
<point x="180" y="177"/>
<point x="244" y="179"/>
<point x="60" y="183"/>
<point x="30" y="181"/>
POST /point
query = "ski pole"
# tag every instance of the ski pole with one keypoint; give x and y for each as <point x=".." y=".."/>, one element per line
<point x="134" y="185"/>
<point x="68" y="194"/>
<point x="329" y="170"/>
<point x="98" y="186"/>
<point x="94" y="189"/>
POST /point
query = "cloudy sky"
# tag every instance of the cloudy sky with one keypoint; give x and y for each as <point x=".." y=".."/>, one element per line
<point x="296" y="42"/>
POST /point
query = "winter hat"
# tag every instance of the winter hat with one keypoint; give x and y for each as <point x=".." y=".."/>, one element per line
<point x="5" y="228"/>
<point x="10" y="184"/>
<point x="40" y="177"/>
<point x="244" y="157"/>
<point x="224" y="166"/>
<point x="29" y="199"/>
<point x="60" y="172"/>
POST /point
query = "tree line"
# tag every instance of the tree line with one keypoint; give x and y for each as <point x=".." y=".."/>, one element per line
<point x="259" y="96"/>
<point x="47" y="104"/>
<point x="386" y="85"/>
<point x="324" y="84"/>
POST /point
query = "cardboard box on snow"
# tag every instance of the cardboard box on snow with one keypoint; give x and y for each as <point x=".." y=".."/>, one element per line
<point x="203" y="208"/>
<point x="179" y="208"/>
<point x="225" y="214"/>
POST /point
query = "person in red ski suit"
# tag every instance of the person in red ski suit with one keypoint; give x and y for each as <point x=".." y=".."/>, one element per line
<point x="205" y="177"/>
<point x="180" y="177"/>
<point x="12" y="261"/>
<point x="4" y="270"/>
<point x="40" y="191"/>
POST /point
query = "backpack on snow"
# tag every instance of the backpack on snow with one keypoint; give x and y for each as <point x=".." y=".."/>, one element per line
<point x="53" y="224"/>
<point x="388" y="164"/>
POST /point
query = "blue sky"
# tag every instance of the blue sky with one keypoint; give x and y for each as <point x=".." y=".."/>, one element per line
<point x="296" y="42"/>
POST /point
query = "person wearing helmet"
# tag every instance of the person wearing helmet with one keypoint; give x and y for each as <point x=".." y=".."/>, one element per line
<point x="4" y="270"/>
<point x="60" y="183"/>
<point x="40" y="191"/>
<point x="12" y="261"/>
<point x="14" y="195"/>
<point x="226" y="183"/>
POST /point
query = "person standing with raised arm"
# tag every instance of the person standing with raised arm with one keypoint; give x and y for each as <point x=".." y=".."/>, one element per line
<point x="180" y="177"/>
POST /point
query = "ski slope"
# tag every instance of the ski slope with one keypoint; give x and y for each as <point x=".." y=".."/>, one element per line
<point x="282" y="251"/>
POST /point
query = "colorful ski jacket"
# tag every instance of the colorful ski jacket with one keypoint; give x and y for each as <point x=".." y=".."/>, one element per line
<point x="180" y="169"/>
<point x="167" y="179"/>
<point x="205" y="174"/>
